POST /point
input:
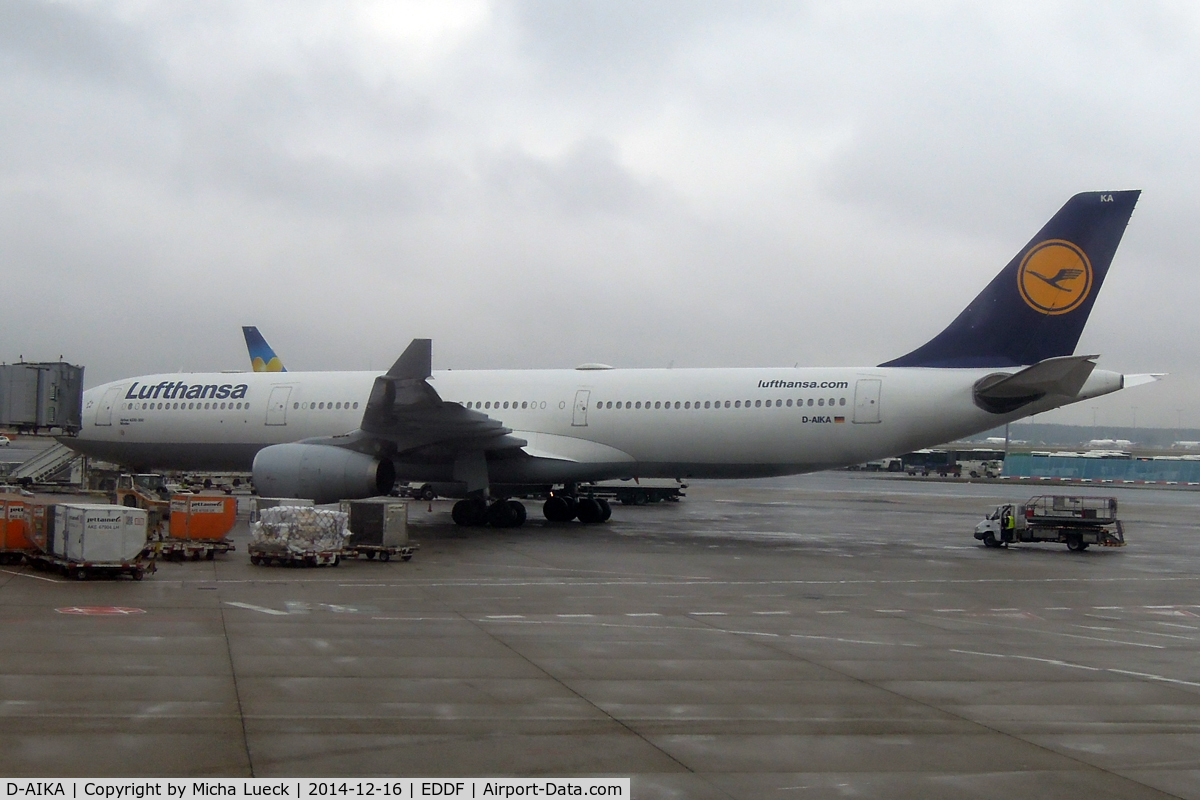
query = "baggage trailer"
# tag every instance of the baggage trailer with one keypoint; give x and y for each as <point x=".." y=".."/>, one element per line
<point x="264" y="554"/>
<point x="82" y="540"/>
<point x="1077" y="522"/>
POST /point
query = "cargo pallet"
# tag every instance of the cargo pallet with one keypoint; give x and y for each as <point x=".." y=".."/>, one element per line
<point x="264" y="556"/>
<point x="82" y="570"/>
<point x="385" y="553"/>
<point x="182" y="550"/>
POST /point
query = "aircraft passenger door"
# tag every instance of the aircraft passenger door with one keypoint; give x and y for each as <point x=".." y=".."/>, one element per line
<point x="579" y="415"/>
<point x="104" y="412"/>
<point x="277" y="405"/>
<point x="866" y="400"/>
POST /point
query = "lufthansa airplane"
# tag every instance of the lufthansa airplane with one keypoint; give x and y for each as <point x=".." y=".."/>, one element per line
<point x="501" y="434"/>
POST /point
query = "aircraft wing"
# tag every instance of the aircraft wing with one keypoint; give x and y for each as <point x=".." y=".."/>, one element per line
<point x="408" y="414"/>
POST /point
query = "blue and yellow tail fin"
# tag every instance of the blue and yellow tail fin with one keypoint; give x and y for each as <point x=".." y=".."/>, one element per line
<point x="1036" y="307"/>
<point x="262" y="357"/>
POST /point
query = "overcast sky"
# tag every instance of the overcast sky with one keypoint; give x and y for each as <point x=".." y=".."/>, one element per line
<point x="540" y="184"/>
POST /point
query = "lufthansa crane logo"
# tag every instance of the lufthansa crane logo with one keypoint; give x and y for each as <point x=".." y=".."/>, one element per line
<point x="1055" y="277"/>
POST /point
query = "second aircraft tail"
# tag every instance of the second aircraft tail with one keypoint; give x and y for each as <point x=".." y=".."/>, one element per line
<point x="262" y="357"/>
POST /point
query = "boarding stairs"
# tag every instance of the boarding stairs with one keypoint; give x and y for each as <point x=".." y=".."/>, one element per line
<point x="45" y="465"/>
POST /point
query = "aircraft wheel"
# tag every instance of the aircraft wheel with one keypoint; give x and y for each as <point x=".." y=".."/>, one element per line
<point x="605" y="510"/>
<point x="469" y="512"/>
<point x="558" y="509"/>
<point x="505" y="514"/>
<point x="589" y="511"/>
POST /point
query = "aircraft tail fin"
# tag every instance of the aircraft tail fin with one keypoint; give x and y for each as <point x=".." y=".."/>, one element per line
<point x="262" y="357"/>
<point x="1036" y="307"/>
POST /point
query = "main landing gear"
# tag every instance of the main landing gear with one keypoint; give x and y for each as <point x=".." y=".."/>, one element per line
<point x="564" y="508"/>
<point x="475" y="511"/>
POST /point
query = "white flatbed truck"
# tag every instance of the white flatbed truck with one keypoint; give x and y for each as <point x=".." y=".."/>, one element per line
<point x="1077" y="522"/>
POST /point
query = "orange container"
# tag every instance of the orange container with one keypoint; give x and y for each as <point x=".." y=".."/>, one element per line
<point x="14" y="523"/>
<point x="205" y="517"/>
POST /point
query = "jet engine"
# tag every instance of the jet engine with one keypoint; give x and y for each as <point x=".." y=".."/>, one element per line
<point x="321" y="473"/>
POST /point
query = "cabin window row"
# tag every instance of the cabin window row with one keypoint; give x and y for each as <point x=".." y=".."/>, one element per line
<point x="187" y="406"/>
<point x="510" y="404"/>
<point x="819" y="401"/>
<point x="325" y="406"/>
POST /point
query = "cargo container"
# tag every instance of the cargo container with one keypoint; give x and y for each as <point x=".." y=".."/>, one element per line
<point x="81" y="540"/>
<point x="199" y="527"/>
<point x="15" y="538"/>
<point x="378" y="527"/>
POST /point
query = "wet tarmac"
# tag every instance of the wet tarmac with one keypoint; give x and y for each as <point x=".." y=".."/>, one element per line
<point x="825" y="636"/>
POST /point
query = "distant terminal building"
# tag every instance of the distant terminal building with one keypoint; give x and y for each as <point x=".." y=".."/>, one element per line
<point x="41" y="396"/>
<point x="1103" y="465"/>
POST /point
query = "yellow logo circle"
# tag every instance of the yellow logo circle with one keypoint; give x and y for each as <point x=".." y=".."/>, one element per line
<point x="1055" y="277"/>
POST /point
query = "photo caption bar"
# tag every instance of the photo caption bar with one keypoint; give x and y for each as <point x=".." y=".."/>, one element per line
<point x="193" y="789"/>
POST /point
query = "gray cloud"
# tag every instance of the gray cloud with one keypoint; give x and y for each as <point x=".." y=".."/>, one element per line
<point x="541" y="184"/>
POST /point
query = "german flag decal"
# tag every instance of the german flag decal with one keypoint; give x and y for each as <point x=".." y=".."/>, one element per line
<point x="839" y="419"/>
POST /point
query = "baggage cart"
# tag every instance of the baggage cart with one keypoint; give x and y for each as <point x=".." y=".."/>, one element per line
<point x="370" y="551"/>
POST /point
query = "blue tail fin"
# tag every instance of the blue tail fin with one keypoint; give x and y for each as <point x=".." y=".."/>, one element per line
<point x="1036" y="307"/>
<point x="262" y="357"/>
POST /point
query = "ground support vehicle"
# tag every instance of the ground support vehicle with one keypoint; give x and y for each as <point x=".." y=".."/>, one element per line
<point x="632" y="493"/>
<point x="147" y="491"/>
<point x="1077" y="522"/>
<point x="264" y="554"/>
<point x="183" y="550"/>
<point x="384" y="552"/>
<point x="82" y="570"/>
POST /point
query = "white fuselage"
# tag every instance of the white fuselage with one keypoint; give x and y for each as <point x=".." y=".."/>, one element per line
<point x="598" y="424"/>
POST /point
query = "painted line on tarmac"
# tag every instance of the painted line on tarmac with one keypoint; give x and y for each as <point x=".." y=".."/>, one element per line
<point x="27" y="575"/>
<point x="260" y="609"/>
<point x="1059" y="663"/>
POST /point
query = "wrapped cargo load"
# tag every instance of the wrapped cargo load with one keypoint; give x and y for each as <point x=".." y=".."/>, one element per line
<point x="298" y="529"/>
